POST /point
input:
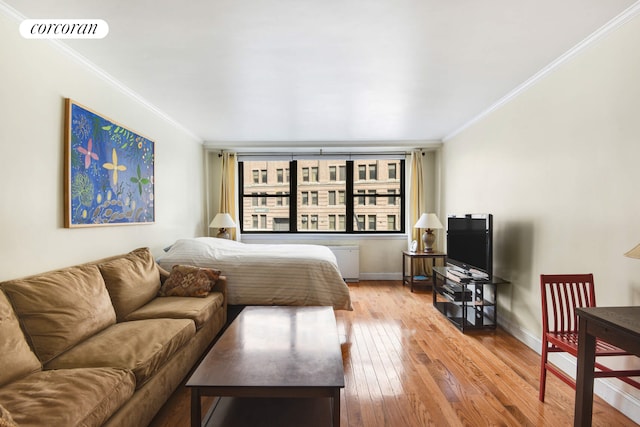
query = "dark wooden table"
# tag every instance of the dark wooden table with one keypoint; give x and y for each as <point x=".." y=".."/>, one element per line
<point x="273" y="352"/>
<point x="410" y="279"/>
<point x="619" y="326"/>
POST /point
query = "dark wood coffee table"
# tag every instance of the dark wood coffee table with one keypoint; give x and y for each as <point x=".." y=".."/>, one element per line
<point x="273" y="352"/>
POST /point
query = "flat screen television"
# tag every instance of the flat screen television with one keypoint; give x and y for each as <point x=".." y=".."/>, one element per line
<point x="470" y="242"/>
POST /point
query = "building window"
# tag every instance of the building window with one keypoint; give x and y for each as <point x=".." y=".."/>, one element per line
<point x="321" y="196"/>
<point x="392" y="170"/>
<point x="372" y="199"/>
<point x="332" y="197"/>
<point x="342" y="173"/>
<point x="372" y="222"/>
<point x="362" y="172"/>
<point x="373" y="171"/>
<point x="391" y="222"/>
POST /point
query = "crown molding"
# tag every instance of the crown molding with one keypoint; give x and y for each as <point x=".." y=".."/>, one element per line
<point x="628" y="14"/>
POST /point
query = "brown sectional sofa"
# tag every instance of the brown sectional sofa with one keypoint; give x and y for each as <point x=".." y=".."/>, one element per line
<point x="94" y="344"/>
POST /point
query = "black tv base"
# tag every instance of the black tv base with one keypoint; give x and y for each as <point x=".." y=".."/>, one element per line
<point x="469" y="304"/>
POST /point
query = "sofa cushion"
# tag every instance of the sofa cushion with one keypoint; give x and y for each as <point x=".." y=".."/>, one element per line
<point x="16" y="357"/>
<point x="132" y="280"/>
<point x="68" y="397"/>
<point x="200" y="310"/>
<point x="6" y="420"/>
<point x="59" y="309"/>
<point x="143" y="346"/>
<point x="189" y="281"/>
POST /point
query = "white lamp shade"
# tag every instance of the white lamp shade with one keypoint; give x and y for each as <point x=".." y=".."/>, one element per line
<point x="634" y="253"/>
<point x="429" y="221"/>
<point x="222" y="220"/>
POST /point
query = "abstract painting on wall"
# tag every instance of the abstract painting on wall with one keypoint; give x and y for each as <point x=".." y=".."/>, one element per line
<point x="109" y="171"/>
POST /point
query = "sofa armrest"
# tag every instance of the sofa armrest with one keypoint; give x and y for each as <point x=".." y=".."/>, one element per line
<point x="164" y="274"/>
<point x="221" y="286"/>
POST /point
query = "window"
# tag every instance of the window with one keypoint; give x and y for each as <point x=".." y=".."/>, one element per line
<point x="372" y="200"/>
<point x="337" y="196"/>
<point x="332" y="222"/>
<point x="391" y="222"/>
<point x="332" y="198"/>
<point x="392" y="170"/>
<point x="372" y="222"/>
<point x="373" y="171"/>
<point x="362" y="172"/>
<point x="342" y="173"/>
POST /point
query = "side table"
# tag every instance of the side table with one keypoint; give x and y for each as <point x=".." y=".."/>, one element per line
<point x="410" y="279"/>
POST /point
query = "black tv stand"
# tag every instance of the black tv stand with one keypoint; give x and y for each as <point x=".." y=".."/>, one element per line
<point x="468" y="301"/>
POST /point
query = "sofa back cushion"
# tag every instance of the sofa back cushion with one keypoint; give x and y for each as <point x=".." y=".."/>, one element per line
<point x="16" y="357"/>
<point x="61" y="308"/>
<point x="132" y="280"/>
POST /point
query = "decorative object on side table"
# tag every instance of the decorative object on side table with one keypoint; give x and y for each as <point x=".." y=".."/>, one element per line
<point x="634" y="253"/>
<point x="109" y="171"/>
<point x="429" y="222"/>
<point x="222" y="221"/>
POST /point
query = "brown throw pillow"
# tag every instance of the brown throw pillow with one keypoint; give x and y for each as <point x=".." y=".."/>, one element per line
<point x="189" y="281"/>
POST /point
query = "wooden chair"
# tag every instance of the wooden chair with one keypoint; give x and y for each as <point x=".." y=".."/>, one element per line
<point x="561" y="294"/>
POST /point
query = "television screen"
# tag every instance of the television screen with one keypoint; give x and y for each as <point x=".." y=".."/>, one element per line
<point x="469" y="242"/>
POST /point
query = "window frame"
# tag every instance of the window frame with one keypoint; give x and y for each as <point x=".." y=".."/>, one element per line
<point x="350" y="200"/>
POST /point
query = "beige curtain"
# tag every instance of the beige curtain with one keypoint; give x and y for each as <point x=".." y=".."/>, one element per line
<point x="417" y="202"/>
<point x="417" y="206"/>
<point x="228" y="190"/>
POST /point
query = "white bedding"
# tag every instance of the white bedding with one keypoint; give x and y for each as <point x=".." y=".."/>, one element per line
<point x="267" y="274"/>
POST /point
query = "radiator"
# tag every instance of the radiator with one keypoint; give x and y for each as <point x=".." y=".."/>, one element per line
<point x="348" y="261"/>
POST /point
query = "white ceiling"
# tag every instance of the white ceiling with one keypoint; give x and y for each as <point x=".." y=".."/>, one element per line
<point x="321" y="71"/>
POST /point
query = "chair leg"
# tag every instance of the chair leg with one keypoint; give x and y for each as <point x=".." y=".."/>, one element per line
<point x="543" y="371"/>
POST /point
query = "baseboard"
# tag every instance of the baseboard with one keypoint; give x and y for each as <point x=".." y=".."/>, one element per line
<point x="380" y="276"/>
<point x="607" y="389"/>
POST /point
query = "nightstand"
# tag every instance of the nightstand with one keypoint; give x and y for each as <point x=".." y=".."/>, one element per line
<point x="411" y="279"/>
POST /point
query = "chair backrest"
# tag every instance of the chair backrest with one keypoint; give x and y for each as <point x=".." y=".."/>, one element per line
<point x="561" y="294"/>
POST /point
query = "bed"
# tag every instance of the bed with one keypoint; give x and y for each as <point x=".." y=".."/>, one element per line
<point x="266" y="274"/>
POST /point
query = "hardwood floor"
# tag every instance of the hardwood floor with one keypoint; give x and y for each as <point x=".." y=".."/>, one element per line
<point x="406" y="365"/>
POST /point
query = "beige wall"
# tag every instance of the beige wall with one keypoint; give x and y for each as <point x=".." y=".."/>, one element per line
<point x="558" y="167"/>
<point x="36" y="77"/>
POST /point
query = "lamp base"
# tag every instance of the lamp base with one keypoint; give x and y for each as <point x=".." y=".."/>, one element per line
<point x="429" y="239"/>
<point x="223" y="234"/>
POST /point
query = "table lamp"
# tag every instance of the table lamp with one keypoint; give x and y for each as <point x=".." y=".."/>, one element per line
<point x="634" y="253"/>
<point x="222" y="221"/>
<point x="429" y="222"/>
